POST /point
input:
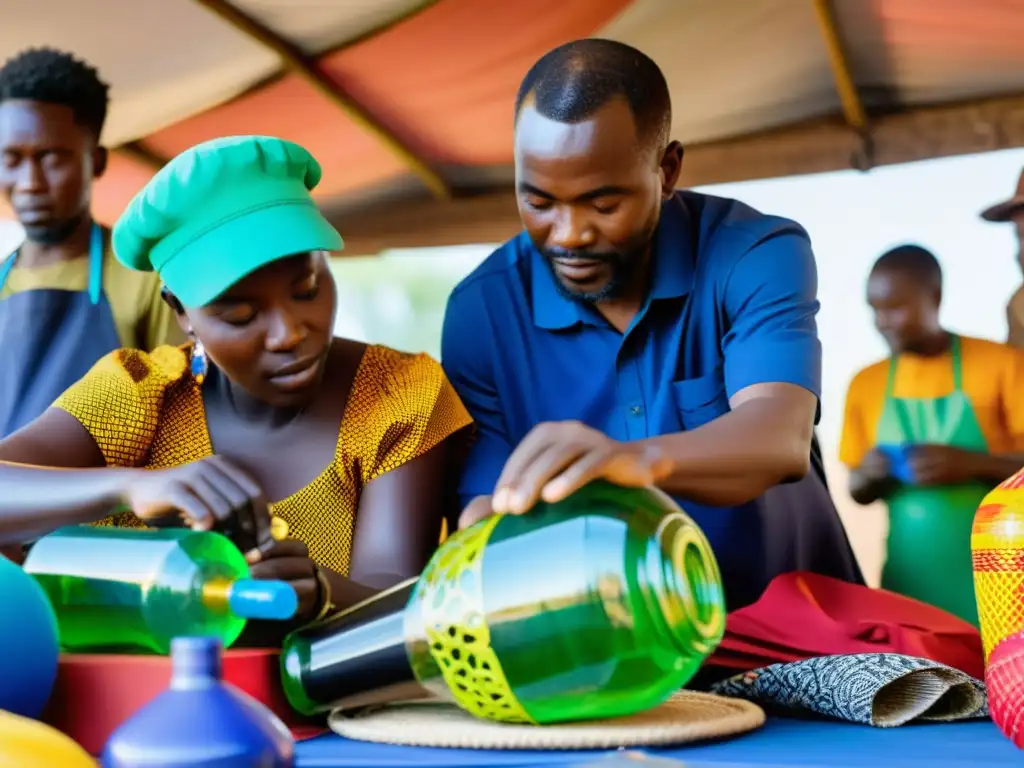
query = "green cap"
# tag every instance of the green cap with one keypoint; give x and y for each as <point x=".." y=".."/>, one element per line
<point x="221" y="210"/>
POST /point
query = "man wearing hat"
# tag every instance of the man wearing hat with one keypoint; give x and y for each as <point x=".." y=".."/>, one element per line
<point x="64" y="300"/>
<point x="1012" y="211"/>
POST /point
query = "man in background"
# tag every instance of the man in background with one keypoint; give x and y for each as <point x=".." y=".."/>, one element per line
<point x="1011" y="211"/>
<point x="930" y="431"/>
<point x="65" y="301"/>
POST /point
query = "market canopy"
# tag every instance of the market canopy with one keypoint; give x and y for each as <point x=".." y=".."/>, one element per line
<point x="408" y="104"/>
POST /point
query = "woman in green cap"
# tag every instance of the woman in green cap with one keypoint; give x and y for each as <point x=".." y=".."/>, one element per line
<point x="264" y="420"/>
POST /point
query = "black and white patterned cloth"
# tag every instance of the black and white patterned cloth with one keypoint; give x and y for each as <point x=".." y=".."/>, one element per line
<point x="880" y="689"/>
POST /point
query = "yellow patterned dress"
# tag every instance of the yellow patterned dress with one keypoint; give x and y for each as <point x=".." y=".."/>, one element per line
<point x="146" y="410"/>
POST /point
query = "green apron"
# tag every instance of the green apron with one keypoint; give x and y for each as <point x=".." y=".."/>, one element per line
<point x="929" y="546"/>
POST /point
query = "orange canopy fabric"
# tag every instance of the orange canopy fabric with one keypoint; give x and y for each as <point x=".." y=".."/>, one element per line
<point x="443" y="80"/>
<point x="441" y="75"/>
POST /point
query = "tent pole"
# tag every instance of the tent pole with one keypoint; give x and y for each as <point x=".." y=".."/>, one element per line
<point x="309" y="70"/>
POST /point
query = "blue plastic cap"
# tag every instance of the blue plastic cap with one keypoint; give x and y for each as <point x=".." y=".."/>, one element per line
<point x="253" y="599"/>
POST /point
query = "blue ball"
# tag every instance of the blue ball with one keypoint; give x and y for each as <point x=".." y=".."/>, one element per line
<point x="29" y="648"/>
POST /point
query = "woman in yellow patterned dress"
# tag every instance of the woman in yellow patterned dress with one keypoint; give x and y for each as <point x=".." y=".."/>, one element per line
<point x="263" y="415"/>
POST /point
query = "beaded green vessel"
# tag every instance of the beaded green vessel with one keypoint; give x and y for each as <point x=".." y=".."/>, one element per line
<point x="599" y="606"/>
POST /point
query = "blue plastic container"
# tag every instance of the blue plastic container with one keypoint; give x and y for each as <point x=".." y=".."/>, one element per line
<point x="28" y="643"/>
<point x="899" y="458"/>
<point x="200" y="721"/>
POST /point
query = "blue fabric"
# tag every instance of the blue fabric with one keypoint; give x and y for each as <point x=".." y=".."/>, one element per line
<point x="732" y="303"/>
<point x="781" y="742"/>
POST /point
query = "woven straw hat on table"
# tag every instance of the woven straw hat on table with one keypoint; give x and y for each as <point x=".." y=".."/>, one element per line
<point x="686" y="717"/>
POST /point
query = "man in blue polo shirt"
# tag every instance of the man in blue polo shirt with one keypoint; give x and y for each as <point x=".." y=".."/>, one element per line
<point x="643" y="335"/>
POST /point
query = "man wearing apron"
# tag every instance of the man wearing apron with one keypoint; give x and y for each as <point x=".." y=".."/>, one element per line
<point x="64" y="301"/>
<point x="930" y="431"/>
<point x="643" y="334"/>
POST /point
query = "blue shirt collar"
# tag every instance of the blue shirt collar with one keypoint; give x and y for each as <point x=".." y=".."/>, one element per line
<point x="673" y="260"/>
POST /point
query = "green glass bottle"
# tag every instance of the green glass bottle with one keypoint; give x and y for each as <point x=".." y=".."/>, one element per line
<point x="135" y="590"/>
<point x="599" y="606"/>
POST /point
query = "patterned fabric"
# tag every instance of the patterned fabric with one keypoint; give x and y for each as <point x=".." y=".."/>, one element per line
<point x="880" y="689"/>
<point x="146" y="410"/>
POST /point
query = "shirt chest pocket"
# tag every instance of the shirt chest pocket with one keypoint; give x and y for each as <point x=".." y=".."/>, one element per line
<point x="700" y="400"/>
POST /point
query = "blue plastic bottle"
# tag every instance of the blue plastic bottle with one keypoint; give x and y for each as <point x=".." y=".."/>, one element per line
<point x="200" y="721"/>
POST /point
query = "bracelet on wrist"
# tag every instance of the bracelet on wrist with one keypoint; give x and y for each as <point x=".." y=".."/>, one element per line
<point x="326" y="604"/>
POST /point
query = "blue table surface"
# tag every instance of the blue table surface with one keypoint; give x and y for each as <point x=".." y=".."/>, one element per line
<point x="780" y="743"/>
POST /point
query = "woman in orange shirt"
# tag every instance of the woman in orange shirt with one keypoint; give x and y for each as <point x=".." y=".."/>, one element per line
<point x="263" y="417"/>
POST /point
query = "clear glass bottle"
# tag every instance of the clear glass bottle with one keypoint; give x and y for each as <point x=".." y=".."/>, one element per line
<point x="599" y="606"/>
<point x="131" y="589"/>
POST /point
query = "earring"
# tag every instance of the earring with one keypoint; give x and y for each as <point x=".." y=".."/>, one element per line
<point x="198" y="362"/>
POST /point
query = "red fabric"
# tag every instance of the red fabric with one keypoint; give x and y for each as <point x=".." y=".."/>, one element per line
<point x="94" y="694"/>
<point x="803" y="615"/>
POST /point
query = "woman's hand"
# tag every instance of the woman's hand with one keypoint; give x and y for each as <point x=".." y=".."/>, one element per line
<point x="209" y="494"/>
<point x="289" y="561"/>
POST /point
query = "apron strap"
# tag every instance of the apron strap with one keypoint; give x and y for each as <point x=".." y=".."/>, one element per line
<point x="954" y="349"/>
<point x="899" y="413"/>
<point x="890" y="380"/>
<point x="5" y="269"/>
<point x="95" y="264"/>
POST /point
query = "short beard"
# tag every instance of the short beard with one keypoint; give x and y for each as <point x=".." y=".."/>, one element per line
<point x="55" y="233"/>
<point x="623" y="264"/>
